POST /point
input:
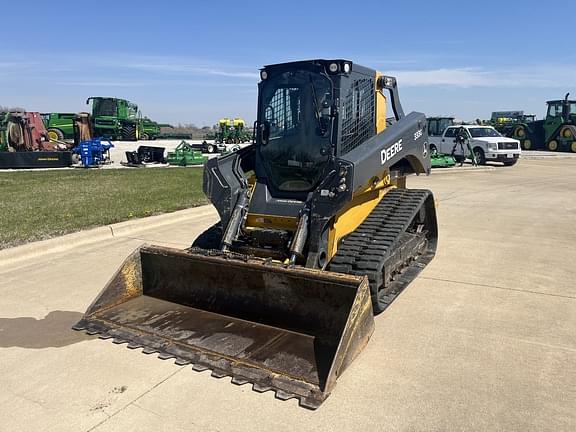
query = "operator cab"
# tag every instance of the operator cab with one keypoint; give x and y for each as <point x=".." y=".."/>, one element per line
<point x="437" y="125"/>
<point x="295" y="112"/>
<point x="309" y="113"/>
<point x="561" y="108"/>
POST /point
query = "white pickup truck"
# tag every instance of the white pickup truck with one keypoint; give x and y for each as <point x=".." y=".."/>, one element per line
<point x="486" y="142"/>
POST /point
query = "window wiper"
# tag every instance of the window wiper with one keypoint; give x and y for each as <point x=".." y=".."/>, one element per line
<point x="316" y="109"/>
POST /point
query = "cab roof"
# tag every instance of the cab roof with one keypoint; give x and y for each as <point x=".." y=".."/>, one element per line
<point x="570" y="101"/>
<point x="323" y="62"/>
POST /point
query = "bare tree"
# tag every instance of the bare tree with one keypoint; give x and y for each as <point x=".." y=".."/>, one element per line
<point x="4" y="108"/>
<point x="197" y="132"/>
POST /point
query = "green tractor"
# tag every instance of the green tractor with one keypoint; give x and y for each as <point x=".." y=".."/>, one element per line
<point x="151" y="129"/>
<point x="60" y="126"/>
<point x="115" y="119"/>
<point x="557" y="132"/>
<point x="505" y="122"/>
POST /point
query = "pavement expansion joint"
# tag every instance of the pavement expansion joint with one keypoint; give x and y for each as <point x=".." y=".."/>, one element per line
<point x="498" y="287"/>
<point x="133" y="402"/>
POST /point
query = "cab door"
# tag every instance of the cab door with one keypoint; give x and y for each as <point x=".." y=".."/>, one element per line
<point x="447" y="143"/>
<point x="434" y="134"/>
<point x="553" y="120"/>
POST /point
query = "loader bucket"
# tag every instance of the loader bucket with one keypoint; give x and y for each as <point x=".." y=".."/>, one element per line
<point x="291" y="330"/>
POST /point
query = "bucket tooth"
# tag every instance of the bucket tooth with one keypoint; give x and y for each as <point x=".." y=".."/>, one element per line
<point x="309" y="403"/>
<point x="79" y="326"/>
<point x="219" y="374"/>
<point x="282" y="395"/>
<point x="261" y="388"/>
<point x="239" y="380"/>
<point x="177" y="352"/>
<point x="199" y="368"/>
<point x="290" y="330"/>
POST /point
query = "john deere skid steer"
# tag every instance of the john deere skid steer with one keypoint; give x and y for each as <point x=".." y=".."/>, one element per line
<point x="317" y="233"/>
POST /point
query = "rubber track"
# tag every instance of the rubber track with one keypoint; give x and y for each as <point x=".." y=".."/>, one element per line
<point x="367" y="250"/>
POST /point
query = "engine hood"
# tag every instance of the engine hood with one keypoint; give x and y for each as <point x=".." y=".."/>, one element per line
<point x="495" y="139"/>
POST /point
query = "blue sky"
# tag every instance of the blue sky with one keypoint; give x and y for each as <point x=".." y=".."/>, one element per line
<point x="194" y="62"/>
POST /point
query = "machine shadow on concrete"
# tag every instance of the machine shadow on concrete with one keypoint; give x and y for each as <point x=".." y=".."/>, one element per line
<point x="52" y="331"/>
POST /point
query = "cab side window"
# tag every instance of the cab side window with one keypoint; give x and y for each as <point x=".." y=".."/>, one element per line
<point x="450" y="133"/>
<point x="555" y="110"/>
<point x="432" y="128"/>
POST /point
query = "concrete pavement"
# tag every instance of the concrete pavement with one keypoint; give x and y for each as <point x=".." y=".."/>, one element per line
<point x="484" y="339"/>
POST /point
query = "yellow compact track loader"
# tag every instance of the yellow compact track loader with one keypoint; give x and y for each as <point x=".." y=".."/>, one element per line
<point x="317" y="233"/>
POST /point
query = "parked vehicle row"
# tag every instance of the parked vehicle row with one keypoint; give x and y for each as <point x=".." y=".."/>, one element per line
<point x="555" y="132"/>
<point x="486" y="143"/>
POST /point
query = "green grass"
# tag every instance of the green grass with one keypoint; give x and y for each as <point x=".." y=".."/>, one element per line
<point x="40" y="205"/>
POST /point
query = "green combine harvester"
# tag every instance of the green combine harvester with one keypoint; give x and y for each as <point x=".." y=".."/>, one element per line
<point x="115" y="119"/>
<point x="185" y="155"/>
<point x="111" y="118"/>
<point x="60" y="126"/>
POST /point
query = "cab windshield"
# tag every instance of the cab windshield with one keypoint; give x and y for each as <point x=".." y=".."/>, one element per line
<point x="132" y="110"/>
<point x="104" y="108"/>
<point x="483" y="132"/>
<point x="295" y="109"/>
